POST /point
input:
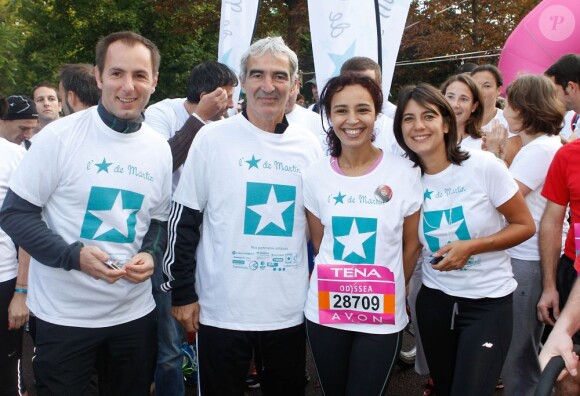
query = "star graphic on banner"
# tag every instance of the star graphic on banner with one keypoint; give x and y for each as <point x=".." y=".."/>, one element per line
<point x="427" y="194"/>
<point x="353" y="242"/>
<point x="339" y="59"/>
<point x="339" y="198"/>
<point x="114" y="218"/>
<point x="225" y="58"/>
<point x="103" y="166"/>
<point x="447" y="232"/>
<point x="253" y="162"/>
<point x="271" y="211"/>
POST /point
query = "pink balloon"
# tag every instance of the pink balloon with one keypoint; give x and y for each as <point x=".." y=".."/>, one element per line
<point x="550" y="30"/>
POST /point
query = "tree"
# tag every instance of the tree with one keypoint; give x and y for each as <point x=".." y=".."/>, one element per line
<point x="444" y="27"/>
<point x="66" y="31"/>
<point x="11" y="37"/>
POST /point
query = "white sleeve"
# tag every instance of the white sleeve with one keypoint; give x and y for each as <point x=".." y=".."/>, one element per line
<point x="530" y="166"/>
<point x="157" y="119"/>
<point x="415" y="198"/>
<point x="40" y="170"/>
<point x="161" y="210"/>
<point x="192" y="189"/>
<point x="310" y="201"/>
<point x="499" y="183"/>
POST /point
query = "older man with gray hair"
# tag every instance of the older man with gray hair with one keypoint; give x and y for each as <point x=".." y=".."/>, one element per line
<point x="244" y="285"/>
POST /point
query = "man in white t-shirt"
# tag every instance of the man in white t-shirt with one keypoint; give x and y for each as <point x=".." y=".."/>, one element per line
<point x="48" y="105"/>
<point x="90" y="203"/>
<point x="210" y="88"/>
<point x="304" y="117"/>
<point x="10" y="288"/>
<point x="243" y="284"/>
<point x="209" y="94"/>
<point x="77" y="87"/>
<point x="19" y="120"/>
<point x="315" y="107"/>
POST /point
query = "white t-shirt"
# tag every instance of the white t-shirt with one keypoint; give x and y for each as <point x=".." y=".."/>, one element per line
<point x="460" y="204"/>
<point x="499" y="116"/>
<point x="102" y="188"/>
<point x="167" y="117"/>
<point x="361" y="232"/>
<point x="385" y="136"/>
<point x="252" y="270"/>
<point x="11" y="154"/>
<point x="530" y="167"/>
<point x="567" y="126"/>
<point x="309" y="120"/>
<point x="469" y="143"/>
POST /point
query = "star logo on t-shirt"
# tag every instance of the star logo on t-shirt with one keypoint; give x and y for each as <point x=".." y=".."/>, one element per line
<point x="103" y="166"/>
<point x="111" y="215"/>
<point x="269" y="209"/>
<point x="253" y="163"/>
<point x="427" y="194"/>
<point x="354" y="239"/>
<point x="441" y="227"/>
<point x="339" y="198"/>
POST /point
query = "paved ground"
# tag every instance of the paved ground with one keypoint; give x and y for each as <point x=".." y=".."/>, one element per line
<point x="405" y="382"/>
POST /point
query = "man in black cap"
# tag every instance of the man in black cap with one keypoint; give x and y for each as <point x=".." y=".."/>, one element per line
<point x="19" y="120"/>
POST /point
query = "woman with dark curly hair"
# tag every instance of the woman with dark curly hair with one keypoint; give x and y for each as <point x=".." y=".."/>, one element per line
<point x="363" y="212"/>
<point x="464" y="308"/>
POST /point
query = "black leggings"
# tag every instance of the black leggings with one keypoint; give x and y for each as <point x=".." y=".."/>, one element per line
<point x="352" y="363"/>
<point x="465" y="340"/>
<point x="10" y="345"/>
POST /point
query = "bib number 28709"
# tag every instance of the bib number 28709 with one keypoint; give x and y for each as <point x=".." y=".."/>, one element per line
<point x="355" y="294"/>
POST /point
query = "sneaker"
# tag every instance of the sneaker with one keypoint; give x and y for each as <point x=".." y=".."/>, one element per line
<point x="499" y="384"/>
<point x="189" y="365"/>
<point x="252" y="381"/>
<point x="429" y="388"/>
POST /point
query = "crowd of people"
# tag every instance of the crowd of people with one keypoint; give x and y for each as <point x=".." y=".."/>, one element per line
<point x="127" y="229"/>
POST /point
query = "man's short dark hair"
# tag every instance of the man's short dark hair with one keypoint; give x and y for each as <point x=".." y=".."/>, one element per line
<point x="566" y="69"/>
<point x="362" y="63"/>
<point x="45" y="84"/>
<point x="80" y="78"/>
<point x="130" y="39"/>
<point x="208" y="76"/>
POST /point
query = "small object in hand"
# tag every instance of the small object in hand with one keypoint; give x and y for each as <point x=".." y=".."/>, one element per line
<point x="114" y="265"/>
<point x="436" y="260"/>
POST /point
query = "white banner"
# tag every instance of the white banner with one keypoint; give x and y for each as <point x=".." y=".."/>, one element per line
<point x="238" y="19"/>
<point x="393" y="16"/>
<point x="341" y="29"/>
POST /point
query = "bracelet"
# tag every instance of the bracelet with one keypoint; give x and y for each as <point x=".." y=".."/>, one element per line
<point x="21" y="291"/>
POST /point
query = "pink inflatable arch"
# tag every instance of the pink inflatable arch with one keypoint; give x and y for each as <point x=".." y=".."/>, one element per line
<point x="549" y="31"/>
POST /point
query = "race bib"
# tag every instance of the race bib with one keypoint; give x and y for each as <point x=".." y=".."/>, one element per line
<point x="355" y="294"/>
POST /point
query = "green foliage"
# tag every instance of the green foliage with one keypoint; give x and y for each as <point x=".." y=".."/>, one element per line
<point x="39" y="35"/>
<point x="66" y="31"/>
<point x="443" y="27"/>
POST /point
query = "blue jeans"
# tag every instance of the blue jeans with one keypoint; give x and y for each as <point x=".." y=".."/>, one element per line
<point x="168" y="372"/>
